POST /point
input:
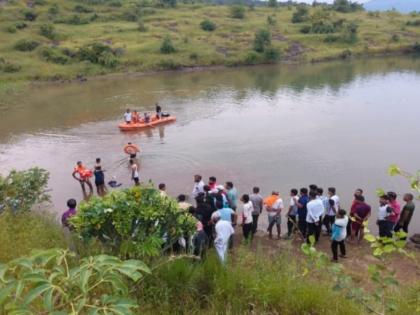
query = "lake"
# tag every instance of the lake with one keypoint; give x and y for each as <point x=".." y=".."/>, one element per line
<point x="278" y="127"/>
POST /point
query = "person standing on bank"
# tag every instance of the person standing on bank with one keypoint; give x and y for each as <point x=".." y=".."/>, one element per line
<point x="315" y="211"/>
<point x="257" y="203"/>
<point x="247" y="210"/>
<point x="232" y="195"/>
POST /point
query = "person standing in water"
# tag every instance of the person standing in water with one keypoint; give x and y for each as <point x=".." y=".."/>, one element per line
<point x="132" y="150"/>
<point x="134" y="172"/>
<point x="99" y="178"/>
<point x="83" y="176"/>
<point x="127" y="116"/>
<point x="158" y="111"/>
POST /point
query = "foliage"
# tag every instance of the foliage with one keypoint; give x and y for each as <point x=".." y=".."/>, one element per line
<point x="133" y="222"/>
<point x="349" y="33"/>
<point x="251" y="58"/>
<point x="272" y="3"/>
<point x="301" y="14"/>
<point x="79" y="8"/>
<point x="8" y="67"/>
<point x="237" y="11"/>
<point x="53" y="9"/>
<point x="413" y="23"/>
<point x="46" y="282"/>
<point x="21" y="190"/>
<point x="167" y="3"/>
<point x="26" y="45"/>
<point x="167" y="47"/>
<point x="141" y="27"/>
<point x="30" y="15"/>
<point x="54" y="55"/>
<point x="272" y="54"/>
<point x="271" y="20"/>
<point x="414" y="179"/>
<point x="208" y="25"/>
<point x="322" y="27"/>
<point x="416" y="47"/>
<point x="262" y="40"/>
<point x="48" y="30"/>
<point x="346" y="6"/>
<point x="98" y="53"/>
<point x="23" y="232"/>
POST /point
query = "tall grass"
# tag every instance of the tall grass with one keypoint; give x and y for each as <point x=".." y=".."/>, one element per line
<point x="22" y="233"/>
<point x="252" y="283"/>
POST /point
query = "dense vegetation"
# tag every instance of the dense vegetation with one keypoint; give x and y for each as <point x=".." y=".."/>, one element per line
<point x="42" y="40"/>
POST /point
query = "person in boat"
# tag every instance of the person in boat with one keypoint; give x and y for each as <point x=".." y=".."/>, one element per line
<point x="158" y="111"/>
<point x="135" y="117"/>
<point x="127" y="116"/>
<point x="82" y="175"/>
<point x="131" y="149"/>
<point x="146" y="118"/>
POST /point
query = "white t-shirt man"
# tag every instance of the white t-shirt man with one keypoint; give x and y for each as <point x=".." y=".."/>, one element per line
<point x="336" y="206"/>
<point x="315" y="210"/>
<point x="134" y="171"/>
<point x="293" y="205"/>
<point x="276" y="208"/>
<point x="224" y="231"/>
<point x="248" y="208"/>
<point x="198" y="188"/>
<point x="127" y="117"/>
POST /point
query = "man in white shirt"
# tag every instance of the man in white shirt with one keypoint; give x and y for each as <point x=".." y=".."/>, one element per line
<point x="247" y="210"/>
<point x="198" y="186"/>
<point x="332" y="209"/>
<point x="127" y="116"/>
<point x="314" y="214"/>
<point x="224" y="232"/>
<point x="274" y="214"/>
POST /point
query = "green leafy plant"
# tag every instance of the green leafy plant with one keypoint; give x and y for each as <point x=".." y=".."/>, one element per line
<point x="30" y="15"/>
<point x="272" y="3"/>
<point x="301" y="14"/>
<point x="414" y="179"/>
<point x="21" y="190"/>
<point x="26" y="45"/>
<point x="46" y="283"/>
<point x="237" y="11"/>
<point x="133" y="222"/>
<point x="262" y="40"/>
<point x="48" y="30"/>
<point x="271" y="20"/>
<point x="167" y="47"/>
<point x="208" y="25"/>
<point x="54" y="55"/>
<point x="98" y="53"/>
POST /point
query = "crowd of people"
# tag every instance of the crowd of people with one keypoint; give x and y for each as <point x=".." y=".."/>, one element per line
<point x="219" y="209"/>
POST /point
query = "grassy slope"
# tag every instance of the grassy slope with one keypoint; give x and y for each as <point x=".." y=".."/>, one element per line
<point x="228" y="44"/>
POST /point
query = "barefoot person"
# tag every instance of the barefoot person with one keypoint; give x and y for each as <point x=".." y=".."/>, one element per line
<point x="134" y="172"/>
<point x="406" y="213"/>
<point x="274" y="206"/>
<point x="360" y="213"/>
<point x="99" y="178"/>
<point x="339" y="234"/>
<point x="82" y="175"/>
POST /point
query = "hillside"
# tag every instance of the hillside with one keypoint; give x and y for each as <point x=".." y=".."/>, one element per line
<point x="57" y="40"/>
<point x="399" y="5"/>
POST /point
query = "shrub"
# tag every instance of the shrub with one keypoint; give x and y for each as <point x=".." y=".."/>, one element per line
<point x="301" y="14"/>
<point x="169" y="64"/>
<point x="272" y="54"/>
<point x="115" y="3"/>
<point x="322" y="27"/>
<point x="23" y="232"/>
<point x="331" y="39"/>
<point x="53" y="10"/>
<point x="54" y="55"/>
<point x="99" y="54"/>
<point x="416" y="47"/>
<point x="8" y="67"/>
<point x="30" y="15"/>
<point x="346" y="54"/>
<point x="11" y="29"/>
<point x="349" y="33"/>
<point x="194" y="56"/>
<point x="108" y="59"/>
<point x="48" y="31"/>
<point x="237" y="12"/>
<point x="20" y="25"/>
<point x="271" y="20"/>
<point x="133" y="222"/>
<point x="167" y="3"/>
<point x="79" y="8"/>
<point x="130" y="16"/>
<point x="272" y="3"/>
<point x="26" y="45"/>
<point x="262" y="40"/>
<point x="395" y="38"/>
<point x="208" y="25"/>
<point x="47" y="282"/>
<point x="306" y="29"/>
<point x="167" y="47"/>
<point x="346" y="6"/>
<point x="251" y="58"/>
<point x="21" y="190"/>
<point x="141" y="27"/>
<point x="39" y="2"/>
<point x="413" y="23"/>
<point x="76" y="20"/>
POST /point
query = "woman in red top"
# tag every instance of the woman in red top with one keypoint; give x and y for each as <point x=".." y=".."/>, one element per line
<point x="83" y="175"/>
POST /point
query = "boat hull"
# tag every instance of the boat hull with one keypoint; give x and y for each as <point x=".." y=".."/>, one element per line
<point x="140" y="126"/>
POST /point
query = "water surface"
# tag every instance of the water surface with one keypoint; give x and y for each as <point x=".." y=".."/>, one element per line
<point x="278" y="127"/>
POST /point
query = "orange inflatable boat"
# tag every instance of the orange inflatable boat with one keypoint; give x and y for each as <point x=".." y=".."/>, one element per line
<point x="142" y="125"/>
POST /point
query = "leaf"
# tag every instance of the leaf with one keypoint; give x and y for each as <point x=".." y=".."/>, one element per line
<point x="377" y="252"/>
<point x="6" y="291"/>
<point x="370" y="238"/>
<point x="80" y="305"/>
<point x="388" y="248"/>
<point x="34" y="277"/>
<point x="312" y="239"/>
<point x="117" y="283"/>
<point x="49" y="299"/>
<point x="394" y="170"/>
<point x="84" y="279"/>
<point x="380" y="192"/>
<point x="35" y="292"/>
<point x="3" y="270"/>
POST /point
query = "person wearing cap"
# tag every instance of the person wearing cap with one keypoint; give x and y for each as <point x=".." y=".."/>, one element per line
<point x="83" y="176"/>
<point x="224" y="232"/>
<point x="274" y="206"/>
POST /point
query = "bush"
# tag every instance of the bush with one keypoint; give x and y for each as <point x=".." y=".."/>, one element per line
<point x="346" y="6"/>
<point x="301" y="15"/>
<point x="395" y="38"/>
<point x="322" y="27"/>
<point x="331" y="39"/>
<point x="8" y="67"/>
<point x="262" y="40"/>
<point x="130" y="16"/>
<point x="194" y="56"/>
<point x="53" y="10"/>
<point x="115" y="3"/>
<point x="82" y="9"/>
<point x="48" y="31"/>
<point x="133" y="222"/>
<point x="271" y="20"/>
<point x="108" y="59"/>
<point x="76" y="20"/>
<point x="208" y="25"/>
<point x="272" y="3"/>
<point x="26" y="45"/>
<point x="167" y="3"/>
<point x="23" y="232"/>
<point x="167" y="47"/>
<point x="141" y="27"/>
<point x="169" y="64"/>
<point x="251" y="58"/>
<point x="346" y="54"/>
<point x="20" y="25"/>
<point x="39" y="2"/>
<point x="30" y="15"/>
<point x="416" y="47"/>
<point x="413" y="23"/>
<point x="11" y="29"/>
<point x="54" y="55"/>
<point x="98" y="54"/>
<point x="272" y="54"/>
<point x="237" y="12"/>
<point x="349" y="33"/>
<point x="306" y="29"/>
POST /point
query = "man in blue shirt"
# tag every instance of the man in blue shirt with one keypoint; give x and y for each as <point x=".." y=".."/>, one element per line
<point x="232" y="195"/>
<point x="302" y="211"/>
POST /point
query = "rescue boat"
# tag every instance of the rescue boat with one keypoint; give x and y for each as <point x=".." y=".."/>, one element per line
<point x="143" y="125"/>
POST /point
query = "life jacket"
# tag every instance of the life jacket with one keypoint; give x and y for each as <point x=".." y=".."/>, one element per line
<point x="270" y="200"/>
<point x="83" y="172"/>
<point x="131" y="149"/>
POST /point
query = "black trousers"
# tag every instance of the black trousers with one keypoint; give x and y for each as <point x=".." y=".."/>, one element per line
<point x="255" y="223"/>
<point x="328" y="222"/>
<point x="247" y="229"/>
<point x="302" y="226"/>
<point x="315" y="230"/>
<point x="385" y="228"/>
<point x="291" y="223"/>
<point x="334" y="248"/>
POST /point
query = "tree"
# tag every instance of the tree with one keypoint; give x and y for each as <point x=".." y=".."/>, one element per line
<point x="301" y="14"/>
<point x="237" y="11"/>
<point x="208" y="25"/>
<point x="262" y="40"/>
<point x="272" y="3"/>
<point x="167" y="47"/>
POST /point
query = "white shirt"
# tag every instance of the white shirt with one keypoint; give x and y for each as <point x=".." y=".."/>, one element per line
<point x="134" y="171"/>
<point x="342" y="223"/>
<point x="276" y="208"/>
<point x="315" y="210"/>
<point x="336" y="206"/>
<point x="293" y="204"/>
<point x="198" y="188"/>
<point x="248" y="208"/>
<point x="127" y="116"/>
<point x="224" y="231"/>
<point x="383" y="213"/>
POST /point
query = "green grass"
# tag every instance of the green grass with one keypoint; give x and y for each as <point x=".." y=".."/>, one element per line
<point x="22" y="233"/>
<point x="228" y="44"/>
